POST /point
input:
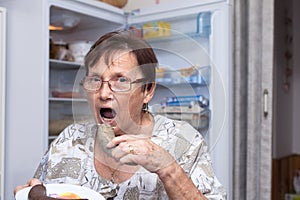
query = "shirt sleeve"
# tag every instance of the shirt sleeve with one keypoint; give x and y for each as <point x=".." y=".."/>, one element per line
<point x="190" y="150"/>
<point x="42" y="168"/>
<point x="203" y="176"/>
<point x="40" y="172"/>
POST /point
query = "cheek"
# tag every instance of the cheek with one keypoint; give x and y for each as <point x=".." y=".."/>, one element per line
<point x="130" y="105"/>
<point x="91" y="98"/>
<point x="136" y="103"/>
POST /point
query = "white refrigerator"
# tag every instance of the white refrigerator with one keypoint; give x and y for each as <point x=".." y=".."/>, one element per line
<point x="192" y="40"/>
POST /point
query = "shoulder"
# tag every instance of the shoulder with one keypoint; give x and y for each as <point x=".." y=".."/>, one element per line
<point x="177" y="137"/>
<point x="166" y="126"/>
<point x="75" y="142"/>
<point x="75" y="132"/>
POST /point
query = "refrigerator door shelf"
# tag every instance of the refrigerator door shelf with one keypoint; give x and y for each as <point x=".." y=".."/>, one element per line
<point x="193" y="75"/>
<point x="194" y="109"/>
<point x="170" y="38"/>
<point x="198" y="120"/>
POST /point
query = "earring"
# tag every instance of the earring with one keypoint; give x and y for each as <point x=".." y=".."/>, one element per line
<point x="145" y="107"/>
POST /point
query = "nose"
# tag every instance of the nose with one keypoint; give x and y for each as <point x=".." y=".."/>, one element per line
<point x="105" y="91"/>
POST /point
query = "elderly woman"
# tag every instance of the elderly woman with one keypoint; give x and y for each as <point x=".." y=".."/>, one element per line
<point x="146" y="156"/>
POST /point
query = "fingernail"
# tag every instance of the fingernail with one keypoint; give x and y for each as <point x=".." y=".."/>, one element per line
<point x="110" y="145"/>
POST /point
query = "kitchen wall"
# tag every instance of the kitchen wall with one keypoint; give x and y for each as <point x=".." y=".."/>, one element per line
<point x="287" y="127"/>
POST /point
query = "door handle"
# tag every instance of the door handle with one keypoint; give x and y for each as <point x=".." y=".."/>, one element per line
<point x="265" y="102"/>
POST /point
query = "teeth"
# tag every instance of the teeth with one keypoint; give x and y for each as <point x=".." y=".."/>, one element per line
<point x="106" y="119"/>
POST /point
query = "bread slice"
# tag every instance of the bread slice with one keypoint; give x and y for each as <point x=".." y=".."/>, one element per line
<point x="105" y="133"/>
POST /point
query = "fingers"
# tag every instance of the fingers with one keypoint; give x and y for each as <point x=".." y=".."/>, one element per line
<point x="135" y="152"/>
<point x="20" y="187"/>
<point x="124" y="138"/>
<point x="31" y="182"/>
<point x="139" y="150"/>
<point x="131" y="149"/>
<point x="125" y="154"/>
<point x="122" y="150"/>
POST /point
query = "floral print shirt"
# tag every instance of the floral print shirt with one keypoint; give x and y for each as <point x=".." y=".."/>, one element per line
<point x="70" y="159"/>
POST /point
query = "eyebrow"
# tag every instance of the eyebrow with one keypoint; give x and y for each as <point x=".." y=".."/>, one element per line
<point x="118" y="74"/>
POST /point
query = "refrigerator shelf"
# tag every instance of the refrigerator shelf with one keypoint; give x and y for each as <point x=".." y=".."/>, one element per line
<point x="192" y="35"/>
<point x="61" y="64"/>
<point x="55" y="99"/>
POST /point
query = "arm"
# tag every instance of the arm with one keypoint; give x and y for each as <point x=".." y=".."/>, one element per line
<point x="39" y="174"/>
<point x="181" y="160"/>
<point x="177" y="184"/>
<point x="154" y="158"/>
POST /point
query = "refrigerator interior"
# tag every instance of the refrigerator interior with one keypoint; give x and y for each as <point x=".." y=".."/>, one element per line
<point x="184" y="49"/>
<point x="78" y="28"/>
<point x="184" y="69"/>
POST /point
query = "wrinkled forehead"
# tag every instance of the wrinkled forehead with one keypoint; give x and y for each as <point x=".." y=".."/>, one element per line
<point x="116" y="55"/>
<point x="118" y="62"/>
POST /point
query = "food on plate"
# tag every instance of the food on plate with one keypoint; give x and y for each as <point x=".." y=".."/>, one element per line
<point x="39" y="192"/>
<point x="68" y="195"/>
<point x="105" y="134"/>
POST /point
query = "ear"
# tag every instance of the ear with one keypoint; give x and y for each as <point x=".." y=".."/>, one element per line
<point x="149" y="93"/>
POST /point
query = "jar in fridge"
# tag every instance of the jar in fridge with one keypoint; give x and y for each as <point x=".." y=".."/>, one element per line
<point x="79" y="49"/>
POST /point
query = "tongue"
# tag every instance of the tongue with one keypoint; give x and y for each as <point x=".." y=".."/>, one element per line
<point x="107" y="113"/>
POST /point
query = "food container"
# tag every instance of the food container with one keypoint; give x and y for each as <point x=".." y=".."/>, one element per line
<point x="156" y="29"/>
<point x="79" y="49"/>
<point x="59" y="51"/>
<point x="117" y="3"/>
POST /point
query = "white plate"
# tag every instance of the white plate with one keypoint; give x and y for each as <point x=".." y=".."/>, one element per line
<point x="83" y="192"/>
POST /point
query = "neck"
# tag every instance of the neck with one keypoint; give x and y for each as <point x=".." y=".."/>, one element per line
<point x="143" y="126"/>
<point x="116" y="173"/>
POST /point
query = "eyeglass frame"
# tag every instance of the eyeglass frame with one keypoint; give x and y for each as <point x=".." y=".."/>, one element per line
<point x="139" y="80"/>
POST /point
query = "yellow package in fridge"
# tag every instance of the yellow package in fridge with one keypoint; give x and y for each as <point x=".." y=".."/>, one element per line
<point x="156" y="29"/>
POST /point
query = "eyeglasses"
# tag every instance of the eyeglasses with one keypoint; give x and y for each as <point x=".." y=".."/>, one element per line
<point x="118" y="84"/>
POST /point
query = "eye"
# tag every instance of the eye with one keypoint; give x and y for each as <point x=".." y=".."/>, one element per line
<point x="94" y="79"/>
<point x="122" y="80"/>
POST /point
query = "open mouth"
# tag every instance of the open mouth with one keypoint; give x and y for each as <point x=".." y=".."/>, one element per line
<point x="107" y="113"/>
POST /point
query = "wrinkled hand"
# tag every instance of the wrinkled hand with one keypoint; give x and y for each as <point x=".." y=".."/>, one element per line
<point x="137" y="150"/>
<point x="31" y="182"/>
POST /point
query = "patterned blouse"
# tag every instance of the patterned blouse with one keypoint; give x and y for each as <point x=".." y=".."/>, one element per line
<point x="70" y="159"/>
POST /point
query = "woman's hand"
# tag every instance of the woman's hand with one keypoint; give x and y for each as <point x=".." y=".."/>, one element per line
<point x="140" y="150"/>
<point x="30" y="183"/>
